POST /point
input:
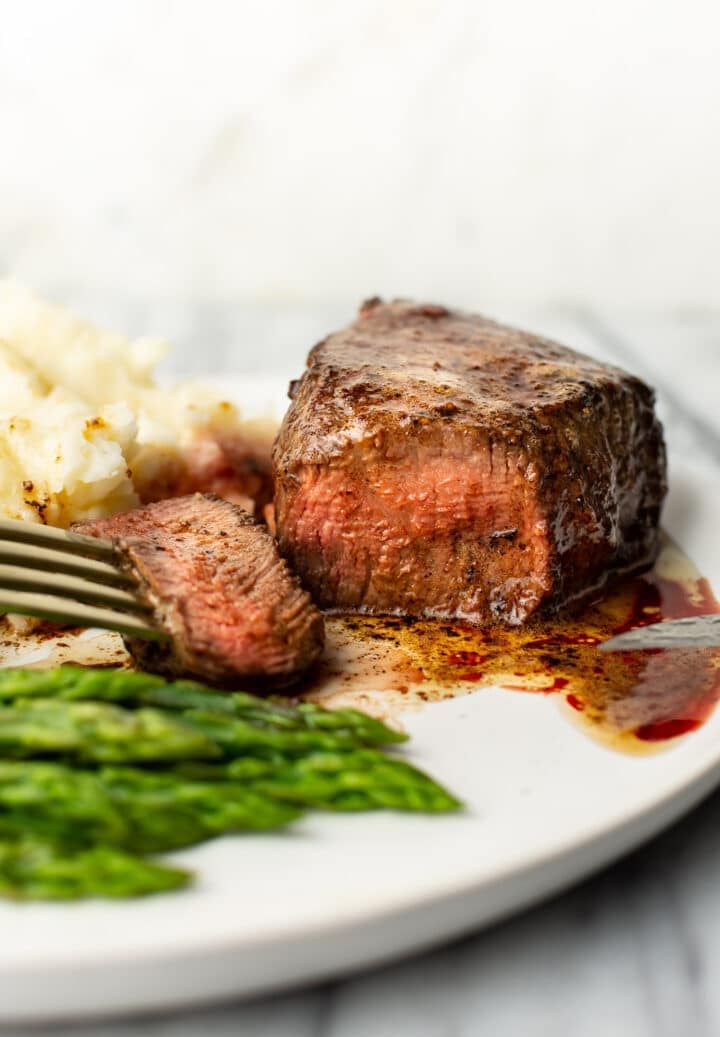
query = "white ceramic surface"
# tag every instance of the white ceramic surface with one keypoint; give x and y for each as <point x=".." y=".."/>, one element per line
<point x="545" y="806"/>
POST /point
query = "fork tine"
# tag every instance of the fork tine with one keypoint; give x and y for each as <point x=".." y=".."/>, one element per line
<point x="59" y="539"/>
<point x="49" y="560"/>
<point x="45" y="606"/>
<point x="79" y="581"/>
<point x="72" y="587"/>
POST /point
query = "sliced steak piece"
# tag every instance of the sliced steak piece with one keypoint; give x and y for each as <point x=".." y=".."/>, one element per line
<point x="235" y="612"/>
<point x="435" y="463"/>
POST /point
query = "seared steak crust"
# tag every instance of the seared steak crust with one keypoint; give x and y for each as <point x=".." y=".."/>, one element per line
<point x="236" y="613"/>
<point x="434" y="463"/>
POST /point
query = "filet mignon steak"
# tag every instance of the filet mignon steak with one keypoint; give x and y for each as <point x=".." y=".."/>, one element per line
<point x="235" y="612"/>
<point x="434" y="463"/>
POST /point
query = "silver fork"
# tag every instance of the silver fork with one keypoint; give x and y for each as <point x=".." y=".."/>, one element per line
<point x="53" y="574"/>
<point x="688" y="632"/>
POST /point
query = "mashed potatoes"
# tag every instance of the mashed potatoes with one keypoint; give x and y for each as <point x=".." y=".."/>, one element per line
<point x="84" y="429"/>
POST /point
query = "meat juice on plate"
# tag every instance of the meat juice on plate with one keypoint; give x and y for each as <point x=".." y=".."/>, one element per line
<point x="633" y="701"/>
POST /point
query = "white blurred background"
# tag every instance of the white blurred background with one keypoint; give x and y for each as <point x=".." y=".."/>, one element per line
<point x="282" y="151"/>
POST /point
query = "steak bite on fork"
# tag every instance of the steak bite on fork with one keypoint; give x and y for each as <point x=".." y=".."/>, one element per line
<point x="235" y="613"/>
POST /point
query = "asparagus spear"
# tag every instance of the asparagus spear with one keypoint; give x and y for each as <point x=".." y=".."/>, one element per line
<point x="237" y="736"/>
<point x="167" y="811"/>
<point x="245" y="769"/>
<point x="74" y="683"/>
<point x="60" y="803"/>
<point x="98" y="732"/>
<point x="364" y="729"/>
<point x="361" y="779"/>
<point x="356" y="779"/>
<point x="31" y="869"/>
<point x="128" y="808"/>
<point x="151" y="812"/>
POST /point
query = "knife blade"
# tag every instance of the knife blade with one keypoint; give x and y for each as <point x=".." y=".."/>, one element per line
<point x="690" y="632"/>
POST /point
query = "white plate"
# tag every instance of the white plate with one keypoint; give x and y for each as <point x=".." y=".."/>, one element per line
<point x="546" y="805"/>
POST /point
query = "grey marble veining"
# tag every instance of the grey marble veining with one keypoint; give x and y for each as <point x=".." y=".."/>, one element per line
<point x="632" y="952"/>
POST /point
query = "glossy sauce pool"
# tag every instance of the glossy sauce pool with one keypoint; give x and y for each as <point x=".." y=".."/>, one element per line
<point x="634" y="701"/>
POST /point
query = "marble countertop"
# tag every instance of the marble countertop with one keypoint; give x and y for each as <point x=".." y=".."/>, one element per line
<point x="633" y="951"/>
